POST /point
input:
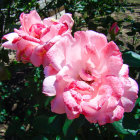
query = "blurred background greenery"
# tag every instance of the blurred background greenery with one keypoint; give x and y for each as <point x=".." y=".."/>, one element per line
<point x="25" y="113"/>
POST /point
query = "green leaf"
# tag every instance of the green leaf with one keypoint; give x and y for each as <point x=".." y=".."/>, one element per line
<point x="51" y="119"/>
<point x="132" y="59"/>
<point x="66" y="126"/>
<point x="120" y="129"/>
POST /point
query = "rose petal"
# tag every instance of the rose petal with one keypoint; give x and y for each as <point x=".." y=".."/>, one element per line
<point x="130" y="95"/>
<point x="57" y="105"/>
<point x="67" y="18"/>
<point x="49" y="86"/>
<point x="27" y="20"/>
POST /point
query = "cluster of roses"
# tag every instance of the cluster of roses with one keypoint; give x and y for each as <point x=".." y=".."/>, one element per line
<point x="85" y="73"/>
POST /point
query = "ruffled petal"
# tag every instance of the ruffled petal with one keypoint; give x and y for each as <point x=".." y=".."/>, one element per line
<point x="57" y="53"/>
<point x="12" y="39"/>
<point x="113" y="59"/>
<point x="130" y="94"/>
<point x="92" y="39"/>
<point x="27" y="20"/>
<point x="116" y="85"/>
<point x="67" y="19"/>
<point x="9" y="45"/>
<point x="72" y="108"/>
<point x="49" y="70"/>
<point x="37" y="56"/>
<point x="25" y="36"/>
<point x="124" y="71"/>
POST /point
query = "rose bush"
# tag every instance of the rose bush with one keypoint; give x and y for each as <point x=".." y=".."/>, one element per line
<point x="36" y="36"/>
<point x="87" y="76"/>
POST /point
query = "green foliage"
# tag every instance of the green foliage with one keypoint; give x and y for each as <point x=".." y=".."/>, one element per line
<point x="84" y="11"/>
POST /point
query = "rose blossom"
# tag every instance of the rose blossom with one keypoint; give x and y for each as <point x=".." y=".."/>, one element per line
<point x="87" y="76"/>
<point x="36" y="36"/>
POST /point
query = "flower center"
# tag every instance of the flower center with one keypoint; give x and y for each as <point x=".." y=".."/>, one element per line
<point x="86" y="76"/>
<point x="36" y="30"/>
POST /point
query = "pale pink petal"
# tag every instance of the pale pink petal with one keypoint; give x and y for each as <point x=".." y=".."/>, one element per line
<point x="49" y="86"/>
<point x="9" y="45"/>
<point x="57" y="104"/>
<point x="10" y="36"/>
<point x="12" y="39"/>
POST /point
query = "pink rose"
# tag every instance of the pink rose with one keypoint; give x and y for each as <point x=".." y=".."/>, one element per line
<point x="36" y="36"/>
<point x="87" y="76"/>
